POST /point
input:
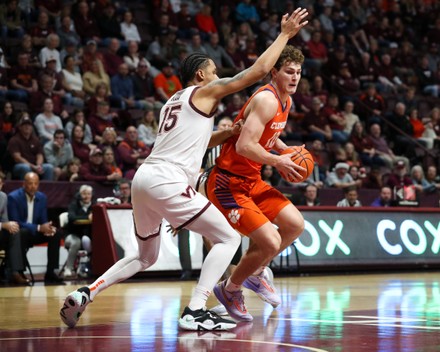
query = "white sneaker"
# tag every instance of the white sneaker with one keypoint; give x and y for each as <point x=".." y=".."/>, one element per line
<point x="268" y="273"/>
<point x="68" y="273"/>
<point x="74" y="305"/>
<point x="263" y="287"/>
<point x="83" y="270"/>
<point x="219" y="309"/>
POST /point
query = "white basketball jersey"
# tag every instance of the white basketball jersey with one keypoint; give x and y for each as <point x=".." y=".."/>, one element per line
<point x="183" y="135"/>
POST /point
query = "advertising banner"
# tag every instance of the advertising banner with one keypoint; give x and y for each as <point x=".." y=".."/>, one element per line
<point x="356" y="238"/>
<point x="333" y="238"/>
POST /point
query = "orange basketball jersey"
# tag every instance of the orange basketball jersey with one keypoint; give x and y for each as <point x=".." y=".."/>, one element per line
<point x="239" y="165"/>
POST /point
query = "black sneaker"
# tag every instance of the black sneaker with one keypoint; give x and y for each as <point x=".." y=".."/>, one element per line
<point x="203" y="319"/>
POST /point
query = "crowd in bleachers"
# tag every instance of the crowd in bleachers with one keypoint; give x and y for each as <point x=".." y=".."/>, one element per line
<point x="82" y="82"/>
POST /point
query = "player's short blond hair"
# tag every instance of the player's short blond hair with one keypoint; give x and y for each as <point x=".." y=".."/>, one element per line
<point x="289" y="54"/>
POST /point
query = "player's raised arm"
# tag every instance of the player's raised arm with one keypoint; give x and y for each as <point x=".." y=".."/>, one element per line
<point x="290" y="26"/>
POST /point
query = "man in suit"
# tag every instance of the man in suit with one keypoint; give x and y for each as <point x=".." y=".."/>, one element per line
<point x="10" y="239"/>
<point x="28" y="207"/>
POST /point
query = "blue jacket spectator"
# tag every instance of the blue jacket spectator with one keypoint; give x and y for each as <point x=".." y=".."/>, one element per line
<point x="385" y="198"/>
<point x="28" y="207"/>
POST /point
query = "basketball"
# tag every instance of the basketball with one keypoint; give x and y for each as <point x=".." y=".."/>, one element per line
<point x="302" y="158"/>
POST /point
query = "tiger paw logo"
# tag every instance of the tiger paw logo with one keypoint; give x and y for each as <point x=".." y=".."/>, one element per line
<point x="234" y="216"/>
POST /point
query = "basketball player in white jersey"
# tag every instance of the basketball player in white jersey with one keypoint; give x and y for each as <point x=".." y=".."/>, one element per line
<point x="164" y="186"/>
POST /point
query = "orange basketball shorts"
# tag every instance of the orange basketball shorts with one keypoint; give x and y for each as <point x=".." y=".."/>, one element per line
<point x="247" y="204"/>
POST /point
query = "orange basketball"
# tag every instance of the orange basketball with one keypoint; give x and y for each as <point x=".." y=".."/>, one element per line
<point x="302" y="158"/>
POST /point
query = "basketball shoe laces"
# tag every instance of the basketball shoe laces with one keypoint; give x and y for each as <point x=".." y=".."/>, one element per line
<point x="236" y="298"/>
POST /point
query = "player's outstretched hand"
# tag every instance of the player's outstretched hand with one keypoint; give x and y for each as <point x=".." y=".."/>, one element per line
<point x="292" y="24"/>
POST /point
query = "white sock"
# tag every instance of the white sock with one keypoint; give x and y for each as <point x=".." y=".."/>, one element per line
<point x="199" y="298"/>
<point x="120" y="271"/>
<point x="213" y="225"/>
<point x="128" y="266"/>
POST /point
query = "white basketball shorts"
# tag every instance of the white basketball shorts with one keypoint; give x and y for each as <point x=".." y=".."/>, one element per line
<point x="161" y="191"/>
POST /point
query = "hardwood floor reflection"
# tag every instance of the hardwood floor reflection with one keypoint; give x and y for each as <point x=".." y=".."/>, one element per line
<point x="389" y="312"/>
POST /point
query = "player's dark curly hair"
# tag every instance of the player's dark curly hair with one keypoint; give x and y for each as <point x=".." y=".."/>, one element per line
<point x="191" y="64"/>
<point x="289" y="54"/>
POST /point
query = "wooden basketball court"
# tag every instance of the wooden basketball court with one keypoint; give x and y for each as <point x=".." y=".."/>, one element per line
<point x="369" y="312"/>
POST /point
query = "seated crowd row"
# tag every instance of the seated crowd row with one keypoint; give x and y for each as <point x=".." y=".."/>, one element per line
<point x="92" y="58"/>
<point x="81" y="150"/>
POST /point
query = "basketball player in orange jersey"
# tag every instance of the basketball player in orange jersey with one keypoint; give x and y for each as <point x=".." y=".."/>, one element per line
<point x="251" y="205"/>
